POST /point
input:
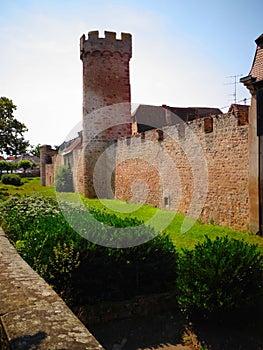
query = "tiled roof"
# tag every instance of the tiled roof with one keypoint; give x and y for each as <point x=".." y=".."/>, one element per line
<point x="33" y="159"/>
<point x="257" y="66"/>
<point x="149" y="117"/>
<point x="191" y="113"/>
<point x="238" y="108"/>
<point x="153" y="117"/>
<point x="69" y="146"/>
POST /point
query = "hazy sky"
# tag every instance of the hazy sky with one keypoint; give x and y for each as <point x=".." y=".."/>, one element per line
<point x="183" y="52"/>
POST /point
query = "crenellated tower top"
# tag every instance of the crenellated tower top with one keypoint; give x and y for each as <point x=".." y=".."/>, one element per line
<point x="106" y="71"/>
<point x="109" y="43"/>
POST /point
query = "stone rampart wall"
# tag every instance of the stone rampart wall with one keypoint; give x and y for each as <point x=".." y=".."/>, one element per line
<point x="32" y="314"/>
<point x="167" y="168"/>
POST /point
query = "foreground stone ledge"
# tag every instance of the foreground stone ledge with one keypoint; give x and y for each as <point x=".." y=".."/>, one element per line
<point x="32" y="314"/>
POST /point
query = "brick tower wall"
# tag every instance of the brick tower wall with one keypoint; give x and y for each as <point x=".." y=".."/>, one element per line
<point x="106" y="101"/>
<point x="46" y="165"/>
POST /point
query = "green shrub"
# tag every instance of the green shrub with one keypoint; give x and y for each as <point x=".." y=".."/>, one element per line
<point x="64" y="179"/>
<point x="218" y="276"/>
<point x="106" y="229"/>
<point x="119" y="274"/>
<point x="40" y="233"/>
<point x="3" y="194"/>
<point x="63" y="259"/>
<point x="47" y="241"/>
<point x="11" y="179"/>
<point x="17" y="215"/>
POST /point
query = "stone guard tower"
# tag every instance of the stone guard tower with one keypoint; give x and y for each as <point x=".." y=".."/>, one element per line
<point x="106" y="108"/>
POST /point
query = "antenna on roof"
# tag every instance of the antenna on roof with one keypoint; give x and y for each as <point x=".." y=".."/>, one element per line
<point x="235" y="82"/>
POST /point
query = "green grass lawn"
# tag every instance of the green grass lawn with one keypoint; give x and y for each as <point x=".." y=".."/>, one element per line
<point x="166" y="221"/>
<point x="30" y="185"/>
<point x="161" y="220"/>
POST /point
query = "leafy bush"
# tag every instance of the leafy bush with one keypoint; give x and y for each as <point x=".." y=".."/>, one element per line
<point x="20" y="214"/>
<point x="76" y="266"/>
<point x="64" y="179"/>
<point x="3" y="193"/>
<point x="41" y="235"/>
<point x="218" y="276"/>
<point x="11" y="179"/>
<point x="119" y="274"/>
<point x="106" y="229"/>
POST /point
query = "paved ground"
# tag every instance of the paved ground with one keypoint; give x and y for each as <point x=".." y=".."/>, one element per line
<point x="167" y="331"/>
<point x="155" y="332"/>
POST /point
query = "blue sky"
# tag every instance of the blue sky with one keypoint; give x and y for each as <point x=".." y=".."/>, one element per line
<point x="183" y="52"/>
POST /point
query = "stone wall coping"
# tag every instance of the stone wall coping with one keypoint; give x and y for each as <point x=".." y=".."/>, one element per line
<point x="32" y="314"/>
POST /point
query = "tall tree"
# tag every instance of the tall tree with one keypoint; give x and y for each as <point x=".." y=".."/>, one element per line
<point x="35" y="150"/>
<point x="12" y="140"/>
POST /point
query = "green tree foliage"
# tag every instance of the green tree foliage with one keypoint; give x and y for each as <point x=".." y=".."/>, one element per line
<point x="7" y="165"/>
<point x="12" y="131"/>
<point x="12" y="166"/>
<point x="35" y="150"/>
<point x="2" y="165"/>
<point x="25" y="164"/>
<point x="64" y="179"/>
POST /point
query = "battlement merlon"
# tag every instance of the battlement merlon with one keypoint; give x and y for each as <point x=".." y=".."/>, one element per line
<point x="108" y="43"/>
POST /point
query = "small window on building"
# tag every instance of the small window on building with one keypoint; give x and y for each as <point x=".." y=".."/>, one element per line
<point x="181" y="130"/>
<point x="159" y="134"/>
<point x="48" y="160"/>
<point x="166" y="201"/>
<point x="191" y="117"/>
<point x="208" y="125"/>
<point x="242" y="118"/>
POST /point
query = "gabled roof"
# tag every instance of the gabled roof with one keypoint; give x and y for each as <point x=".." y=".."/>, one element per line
<point x="150" y="117"/>
<point x="256" y="71"/>
<point x="191" y="113"/>
<point x="238" y="108"/>
<point x="33" y="159"/>
<point x="68" y="146"/>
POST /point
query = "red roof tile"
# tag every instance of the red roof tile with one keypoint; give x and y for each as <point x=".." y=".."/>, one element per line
<point x="257" y="66"/>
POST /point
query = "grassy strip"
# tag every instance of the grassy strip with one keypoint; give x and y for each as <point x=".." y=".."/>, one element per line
<point x="30" y="185"/>
<point x="161" y="220"/>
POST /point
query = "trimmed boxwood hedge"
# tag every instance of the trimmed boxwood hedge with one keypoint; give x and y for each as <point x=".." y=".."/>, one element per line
<point x="219" y="276"/>
<point x="11" y="179"/>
